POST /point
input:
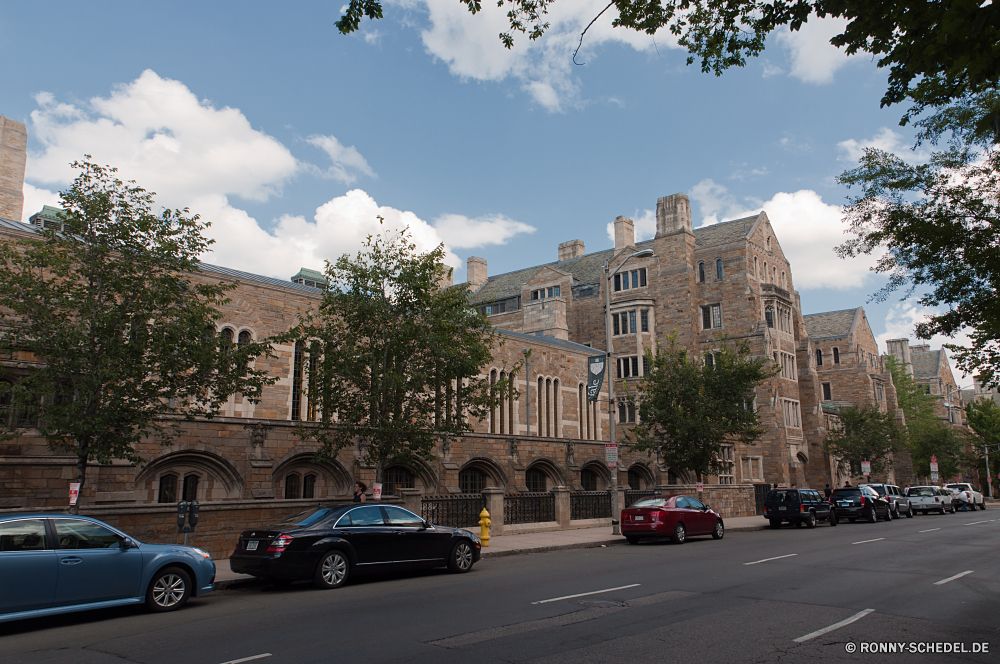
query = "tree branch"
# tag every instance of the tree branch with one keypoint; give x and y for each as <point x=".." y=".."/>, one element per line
<point x="585" y="32"/>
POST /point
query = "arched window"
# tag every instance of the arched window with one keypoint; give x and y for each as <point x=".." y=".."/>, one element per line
<point x="634" y="480"/>
<point x="396" y="478"/>
<point x="244" y="338"/>
<point x="309" y="486"/>
<point x="534" y="479"/>
<point x="556" y="410"/>
<point x="190" y="488"/>
<point x="836" y="355"/>
<point x="672" y="477"/>
<point x="756" y="272"/>
<point x="297" y="382"/>
<point x="168" y="489"/>
<point x="503" y="406"/>
<point x="701" y="273"/>
<point x="769" y="316"/>
<point x="709" y="360"/>
<point x="774" y="275"/>
<point x="819" y="357"/>
<point x="471" y="480"/>
<point x="765" y="270"/>
<point x="588" y="479"/>
<point x="227" y="336"/>
<point x="493" y="392"/>
<point x="292" y="487"/>
<point x="768" y="242"/>
<point x="312" y="393"/>
<point x="718" y="268"/>
<point x="784" y="282"/>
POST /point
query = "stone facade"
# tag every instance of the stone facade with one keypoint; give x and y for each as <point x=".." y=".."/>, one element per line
<point x="13" y="156"/>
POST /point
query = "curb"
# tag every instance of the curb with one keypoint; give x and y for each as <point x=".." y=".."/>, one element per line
<point x="222" y="584"/>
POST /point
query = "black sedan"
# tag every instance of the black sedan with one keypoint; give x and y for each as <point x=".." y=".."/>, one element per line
<point x="328" y="544"/>
<point x="853" y="503"/>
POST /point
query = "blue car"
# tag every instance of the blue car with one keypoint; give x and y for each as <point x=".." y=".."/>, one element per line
<point x="57" y="563"/>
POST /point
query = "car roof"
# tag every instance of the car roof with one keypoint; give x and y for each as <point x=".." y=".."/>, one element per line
<point x="50" y="515"/>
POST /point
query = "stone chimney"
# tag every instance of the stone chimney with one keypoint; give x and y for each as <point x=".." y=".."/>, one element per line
<point x="13" y="155"/>
<point x="624" y="233"/>
<point x="921" y="348"/>
<point x="446" y="277"/>
<point x="570" y="250"/>
<point x="900" y="349"/>
<point x="476" y="272"/>
<point x="673" y="214"/>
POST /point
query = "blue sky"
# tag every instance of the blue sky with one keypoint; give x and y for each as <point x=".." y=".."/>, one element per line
<point x="291" y="138"/>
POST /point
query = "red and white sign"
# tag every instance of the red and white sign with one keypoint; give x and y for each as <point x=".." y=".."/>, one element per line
<point x="934" y="464"/>
<point x="376" y="491"/>
<point x="74" y="492"/>
<point x="701" y="487"/>
<point x="866" y="468"/>
<point x="611" y="454"/>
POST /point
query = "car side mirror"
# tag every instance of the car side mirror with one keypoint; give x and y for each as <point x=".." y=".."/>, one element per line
<point x="425" y="524"/>
<point x="127" y="544"/>
<point x="707" y="507"/>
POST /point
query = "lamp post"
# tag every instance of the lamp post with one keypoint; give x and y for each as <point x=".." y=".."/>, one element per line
<point x="608" y="276"/>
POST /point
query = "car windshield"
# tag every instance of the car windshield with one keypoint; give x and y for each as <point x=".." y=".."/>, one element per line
<point x="652" y="502"/>
<point x="302" y="519"/>
<point x="921" y="491"/>
<point x="880" y="490"/>
<point x="846" y="493"/>
<point x="782" y="497"/>
<point x="960" y="487"/>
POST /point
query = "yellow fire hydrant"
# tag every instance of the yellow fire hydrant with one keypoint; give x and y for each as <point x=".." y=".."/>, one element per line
<point x="484" y="524"/>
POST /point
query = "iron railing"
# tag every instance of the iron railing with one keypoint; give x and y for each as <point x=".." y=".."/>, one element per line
<point x="460" y="511"/>
<point x="632" y="497"/>
<point x="589" y="504"/>
<point x="529" y="508"/>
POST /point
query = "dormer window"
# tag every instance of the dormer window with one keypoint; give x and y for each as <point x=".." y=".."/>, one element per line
<point x="543" y="293"/>
<point x="633" y="279"/>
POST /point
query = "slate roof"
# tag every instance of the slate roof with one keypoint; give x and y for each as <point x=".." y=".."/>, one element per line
<point x="589" y="269"/>
<point x="205" y="267"/>
<point x="535" y="338"/>
<point x="926" y="363"/>
<point x="830" y="324"/>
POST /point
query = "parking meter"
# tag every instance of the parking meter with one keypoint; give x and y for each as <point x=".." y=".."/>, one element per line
<point x="182" y="508"/>
<point x="193" y="516"/>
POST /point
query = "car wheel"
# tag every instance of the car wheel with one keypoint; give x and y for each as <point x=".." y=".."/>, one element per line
<point x="332" y="571"/>
<point x="895" y="511"/>
<point x="982" y="505"/>
<point x="909" y="511"/>
<point x="719" y="531"/>
<point x="888" y="514"/>
<point x="680" y="534"/>
<point x="941" y="511"/>
<point x="460" y="560"/>
<point x="775" y="523"/>
<point x="833" y="519"/>
<point x="169" y="590"/>
<point x="872" y="517"/>
<point x="631" y="539"/>
<point x="811" y="520"/>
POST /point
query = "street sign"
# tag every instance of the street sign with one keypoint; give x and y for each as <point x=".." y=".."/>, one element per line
<point x="376" y="491"/>
<point x="866" y="468"/>
<point x="611" y="454"/>
<point x="934" y="464"/>
<point x="934" y="476"/>
<point x="74" y="492"/>
<point x="701" y="487"/>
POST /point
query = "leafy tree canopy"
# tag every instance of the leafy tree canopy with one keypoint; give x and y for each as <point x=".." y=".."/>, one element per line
<point x="984" y="420"/>
<point x="950" y="47"/>
<point x="865" y="434"/>
<point x="689" y="407"/>
<point x="108" y="332"/>
<point x="394" y="360"/>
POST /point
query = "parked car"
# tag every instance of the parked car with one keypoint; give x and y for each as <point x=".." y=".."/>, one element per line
<point x="975" y="499"/>
<point x="927" y="499"/>
<point x="58" y="563"/>
<point x="898" y="502"/>
<point x="328" y="544"/>
<point x="675" y="517"/>
<point x="798" y="506"/>
<point x="860" y="502"/>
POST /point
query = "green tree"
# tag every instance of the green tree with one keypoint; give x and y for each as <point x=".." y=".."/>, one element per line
<point x="690" y="406"/>
<point x="951" y="48"/>
<point x="984" y="420"/>
<point x="396" y="359"/>
<point x="865" y="434"/>
<point x="109" y="329"/>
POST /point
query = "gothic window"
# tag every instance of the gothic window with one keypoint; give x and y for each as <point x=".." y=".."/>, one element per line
<point x="819" y="357"/>
<point x="756" y="272"/>
<point x="631" y="322"/>
<point x="292" y="487"/>
<point x="701" y="273"/>
<point x="836" y="355"/>
<point x="396" y="478"/>
<point x="168" y="489"/>
<point x="227" y="336"/>
<point x="297" y="382"/>
<point x="718" y="268"/>
<point x="767" y="242"/>
<point x="727" y="460"/>
<point x="616" y="329"/>
<point x="309" y="486"/>
<point x="711" y="316"/>
<point x="784" y="282"/>
<point x="642" y="276"/>
<point x="190" y="491"/>
<point x="774" y="275"/>
<point x="618" y="282"/>
<point x="588" y="479"/>
<point x="644" y="319"/>
<point x="769" y="316"/>
<point x="765" y="270"/>
<point x="634" y="480"/>
<point x="471" y="480"/>
<point x="244" y="338"/>
<point x="313" y="392"/>
<point x="827" y="392"/>
<point x="534" y="479"/>
<point x="628" y="367"/>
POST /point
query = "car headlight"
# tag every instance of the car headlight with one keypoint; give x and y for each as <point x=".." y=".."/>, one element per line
<point x="202" y="552"/>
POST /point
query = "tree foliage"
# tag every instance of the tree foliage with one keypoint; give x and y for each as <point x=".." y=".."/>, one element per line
<point x="689" y="407"/>
<point x="395" y="361"/>
<point x="865" y="434"/>
<point x="951" y="48"/>
<point x="109" y="334"/>
<point x="984" y="420"/>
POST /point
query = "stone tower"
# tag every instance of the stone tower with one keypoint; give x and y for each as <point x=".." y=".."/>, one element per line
<point x="13" y="154"/>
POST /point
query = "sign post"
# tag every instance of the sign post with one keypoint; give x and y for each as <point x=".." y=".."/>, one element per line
<point x="701" y="488"/>
<point x="934" y="469"/>
<point x="866" y="469"/>
<point x="376" y="491"/>
<point x="611" y="455"/>
<point x="74" y="492"/>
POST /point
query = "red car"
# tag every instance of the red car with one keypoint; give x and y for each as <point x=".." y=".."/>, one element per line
<point x="675" y="517"/>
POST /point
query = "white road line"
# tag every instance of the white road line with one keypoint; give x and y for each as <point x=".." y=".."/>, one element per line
<point x="842" y="623"/>
<point x="975" y="522"/>
<point x="595" y="592"/>
<point x="930" y="531"/>
<point x="248" y="659"/>
<point x="952" y="578"/>
<point x="775" y="558"/>
<point x="866" y="541"/>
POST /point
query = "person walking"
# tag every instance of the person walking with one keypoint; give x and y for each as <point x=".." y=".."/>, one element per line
<point x="827" y="492"/>
<point x="359" y="491"/>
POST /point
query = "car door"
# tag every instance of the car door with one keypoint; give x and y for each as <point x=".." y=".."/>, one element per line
<point x="92" y="565"/>
<point x="27" y="566"/>
<point x="369" y="534"/>
<point x="699" y="517"/>
<point x="412" y="542"/>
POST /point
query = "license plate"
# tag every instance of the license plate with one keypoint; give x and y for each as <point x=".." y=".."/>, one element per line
<point x="782" y="509"/>
<point x="252" y="546"/>
<point x="640" y="518"/>
<point x="843" y="504"/>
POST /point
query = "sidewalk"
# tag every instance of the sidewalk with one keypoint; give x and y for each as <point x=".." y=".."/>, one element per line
<point x="512" y="545"/>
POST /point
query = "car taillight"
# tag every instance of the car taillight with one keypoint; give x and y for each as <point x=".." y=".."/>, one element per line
<point x="936" y="500"/>
<point x="862" y="501"/>
<point x="802" y="508"/>
<point x="279" y="544"/>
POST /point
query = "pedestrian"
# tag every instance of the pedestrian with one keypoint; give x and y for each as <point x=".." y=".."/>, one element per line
<point x="359" y="491"/>
<point x="827" y="492"/>
<point x="847" y="484"/>
<point x="775" y="485"/>
<point x="794" y="485"/>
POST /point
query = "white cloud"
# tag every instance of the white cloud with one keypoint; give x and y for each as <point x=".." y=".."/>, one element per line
<point x="344" y="159"/>
<point x="461" y="232"/>
<point x="886" y="140"/>
<point x="813" y="58"/>
<point x="35" y="198"/>
<point x="807" y="229"/>
<point x="900" y="323"/>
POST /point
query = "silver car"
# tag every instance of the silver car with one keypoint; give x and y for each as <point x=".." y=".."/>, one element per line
<point x="898" y="502"/>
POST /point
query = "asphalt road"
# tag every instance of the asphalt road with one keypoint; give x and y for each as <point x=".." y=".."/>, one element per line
<point x="703" y="601"/>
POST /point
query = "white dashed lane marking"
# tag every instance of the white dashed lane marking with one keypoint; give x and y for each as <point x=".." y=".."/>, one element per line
<point x="952" y="578"/>
<point x="768" y="559"/>
<point x="842" y="623"/>
<point x="593" y="592"/>
<point x="877" y="539"/>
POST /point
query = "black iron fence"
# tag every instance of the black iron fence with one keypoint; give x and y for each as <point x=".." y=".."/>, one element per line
<point x="589" y="504"/>
<point x="529" y="508"/>
<point x="632" y="497"/>
<point x="460" y="511"/>
<point x="759" y="493"/>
